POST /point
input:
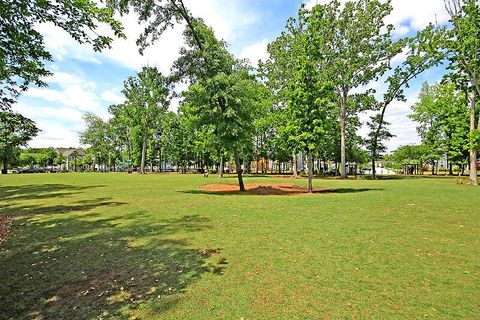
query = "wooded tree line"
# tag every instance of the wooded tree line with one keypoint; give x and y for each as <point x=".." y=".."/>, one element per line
<point x="306" y="98"/>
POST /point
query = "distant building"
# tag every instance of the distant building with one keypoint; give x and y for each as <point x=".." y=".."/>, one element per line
<point x="71" y="155"/>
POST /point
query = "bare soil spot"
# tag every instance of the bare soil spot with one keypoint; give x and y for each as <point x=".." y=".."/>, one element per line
<point x="5" y="223"/>
<point x="261" y="189"/>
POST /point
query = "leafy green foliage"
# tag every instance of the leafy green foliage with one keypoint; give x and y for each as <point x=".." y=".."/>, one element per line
<point x="376" y="137"/>
<point x="410" y="154"/>
<point x="442" y="114"/>
<point x="158" y="14"/>
<point x="22" y="49"/>
<point x="142" y="113"/>
<point x="41" y="157"/>
<point x="463" y="44"/>
<point x="96" y="135"/>
<point x="15" y="131"/>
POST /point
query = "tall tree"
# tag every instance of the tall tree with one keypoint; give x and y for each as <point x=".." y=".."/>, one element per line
<point x="222" y="95"/>
<point x="422" y="52"/>
<point x="355" y="45"/>
<point x="146" y="95"/>
<point x="377" y="135"/>
<point x="226" y="103"/>
<point x="442" y="117"/>
<point x="22" y="48"/>
<point x="96" y="135"/>
<point x="464" y="53"/>
<point x="15" y="131"/>
<point x="122" y="129"/>
<point x="295" y="76"/>
<point x="178" y="139"/>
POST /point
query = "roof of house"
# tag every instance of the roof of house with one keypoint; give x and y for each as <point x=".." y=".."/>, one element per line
<point x="66" y="152"/>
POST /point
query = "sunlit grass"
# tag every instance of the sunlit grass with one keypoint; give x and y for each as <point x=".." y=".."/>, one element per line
<point x="156" y="246"/>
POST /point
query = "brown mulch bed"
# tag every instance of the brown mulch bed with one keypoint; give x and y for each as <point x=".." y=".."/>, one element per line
<point x="5" y="223"/>
<point x="261" y="189"/>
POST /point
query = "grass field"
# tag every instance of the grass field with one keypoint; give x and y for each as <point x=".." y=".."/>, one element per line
<point x="121" y="246"/>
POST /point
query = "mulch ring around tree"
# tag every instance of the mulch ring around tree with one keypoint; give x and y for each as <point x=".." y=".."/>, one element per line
<point x="5" y="223"/>
<point x="261" y="189"/>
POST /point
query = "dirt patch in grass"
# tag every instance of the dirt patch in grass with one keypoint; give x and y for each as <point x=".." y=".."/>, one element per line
<point x="261" y="189"/>
<point x="5" y="223"/>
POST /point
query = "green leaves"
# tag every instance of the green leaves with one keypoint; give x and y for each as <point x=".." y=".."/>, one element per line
<point x="442" y="114"/>
<point x="22" y="49"/>
<point x="15" y="131"/>
<point x="463" y="43"/>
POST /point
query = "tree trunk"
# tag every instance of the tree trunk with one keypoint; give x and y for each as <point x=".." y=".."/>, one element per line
<point x="239" y="172"/>
<point x="5" y="165"/>
<point x="144" y="152"/>
<point x="220" y="169"/>
<point x="374" y="171"/>
<point x="294" y="167"/>
<point x="473" y="149"/>
<point x="433" y="167"/>
<point x="310" y="172"/>
<point x="343" y="136"/>
<point x="159" y="160"/>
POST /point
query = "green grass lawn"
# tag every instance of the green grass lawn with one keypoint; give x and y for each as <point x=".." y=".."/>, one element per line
<point x="121" y="246"/>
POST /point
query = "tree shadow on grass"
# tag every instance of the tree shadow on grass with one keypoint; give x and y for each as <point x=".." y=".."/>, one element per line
<point x="353" y="190"/>
<point x="40" y="191"/>
<point x="267" y="192"/>
<point x="85" y="264"/>
<point x="76" y="206"/>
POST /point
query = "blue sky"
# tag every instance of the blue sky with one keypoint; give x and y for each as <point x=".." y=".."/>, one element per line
<point x="87" y="81"/>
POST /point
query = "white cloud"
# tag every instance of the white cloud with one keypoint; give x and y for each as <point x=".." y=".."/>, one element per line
<point x="401" y="30"/>
<point x="49" y="113"/>
<point x="51" y="123"/>
<point x="75" y="92"/>
<point x="112" y="97"/>
<point x="255" y="52"/>
<point x="72" y="96"/>
<point x="408" y="15"/>
<point x="228" y="19"/>
<point x="417" y="14"/>
<point x="59" y="43"/>
<point x="54" y="135"/>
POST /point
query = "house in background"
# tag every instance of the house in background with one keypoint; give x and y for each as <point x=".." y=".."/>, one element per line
<point x="71" y="156"/>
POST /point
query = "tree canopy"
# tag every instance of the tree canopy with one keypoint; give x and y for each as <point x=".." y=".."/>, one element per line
<point x="22" y="49"/>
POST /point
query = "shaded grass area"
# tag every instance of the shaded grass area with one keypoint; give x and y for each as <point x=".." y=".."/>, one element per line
<point x="85" y="246"/>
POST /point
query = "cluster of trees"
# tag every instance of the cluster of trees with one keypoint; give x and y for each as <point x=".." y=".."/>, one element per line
<point x="23" y="56"/>
<point x="306" y="98"/>
<point x="40" y="157"/>
<point x="15" y="131"/>
<point x="442" y="115"/>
